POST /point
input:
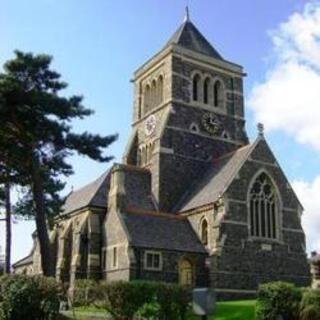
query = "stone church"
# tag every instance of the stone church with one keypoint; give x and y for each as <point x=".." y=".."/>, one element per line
<point x="193" y="201"/>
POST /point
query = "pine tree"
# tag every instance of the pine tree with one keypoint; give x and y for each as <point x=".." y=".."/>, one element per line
<point x="36" y="135"/>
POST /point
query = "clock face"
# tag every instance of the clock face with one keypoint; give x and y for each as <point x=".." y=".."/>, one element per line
<point x="150" y="125"/>
<point x="211" y="124"/>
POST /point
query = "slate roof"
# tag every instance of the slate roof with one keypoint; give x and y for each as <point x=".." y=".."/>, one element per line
<point x="189" y="37"/>
<point x="93" y="194"/>
<point x="24" y="261"/>
<point x="216" y="179"/>
<point x="161" y="232"/>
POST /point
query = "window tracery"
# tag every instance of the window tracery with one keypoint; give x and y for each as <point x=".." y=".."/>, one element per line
<point x="263" y="208"/>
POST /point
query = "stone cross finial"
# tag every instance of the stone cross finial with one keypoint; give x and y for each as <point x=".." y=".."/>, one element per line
<point x="187" y="15"/>
<point x="260" y="128"/>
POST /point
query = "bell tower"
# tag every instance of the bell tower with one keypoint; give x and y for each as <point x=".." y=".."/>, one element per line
<point x="188" y="111"/>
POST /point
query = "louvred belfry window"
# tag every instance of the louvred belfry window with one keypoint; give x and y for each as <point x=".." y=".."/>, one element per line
<point x="263" y="208"/>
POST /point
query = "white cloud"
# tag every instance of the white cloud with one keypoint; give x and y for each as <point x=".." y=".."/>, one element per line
<point x="289" y="97"/>
<point x="308" y="193"/>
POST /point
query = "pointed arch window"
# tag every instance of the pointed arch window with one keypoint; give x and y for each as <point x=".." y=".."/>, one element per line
<point x="204" y="232"/>
<point x="206" y="86"/>
<point x="195" y="87"/>
<point x="263" y="208"/>
<point x="218" y="94"/>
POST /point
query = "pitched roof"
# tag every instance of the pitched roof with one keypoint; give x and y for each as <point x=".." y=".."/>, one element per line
<point x="189" y="37"/>
<point x="93" y="194"/>
<point x="161" y="232"/>
<point x="24" y="261"/>
<point x="216" y="179"/>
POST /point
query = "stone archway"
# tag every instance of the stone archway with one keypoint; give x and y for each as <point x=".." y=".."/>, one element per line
<point x="186" y="273"/>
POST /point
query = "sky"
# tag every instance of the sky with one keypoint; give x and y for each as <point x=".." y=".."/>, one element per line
<point x="98" y="44"/>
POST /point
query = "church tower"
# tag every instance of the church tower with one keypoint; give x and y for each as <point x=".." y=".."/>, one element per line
<point x="188" y="112"/>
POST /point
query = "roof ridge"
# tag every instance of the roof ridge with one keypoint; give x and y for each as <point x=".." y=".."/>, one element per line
<point x="104" y="176"/>
<point x="90" y="183"/>
<point x="188" y="36"/>
<point x="237" y="168"/>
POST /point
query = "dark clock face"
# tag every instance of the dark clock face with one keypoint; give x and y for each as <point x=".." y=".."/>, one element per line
<point x="211" y="124"/>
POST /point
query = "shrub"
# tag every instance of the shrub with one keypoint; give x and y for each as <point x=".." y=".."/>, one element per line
<point x="310" y="305"/>
<point x="278" y="299"/>
<point x="311" y="312"/>
<point x="155" y="300"/>
<point x="85" y="292"/>
<point x="150" y="311"/>
<point x="29" y="298"/>
<point x="123" y="299"/>
<point x="173" y="300"/>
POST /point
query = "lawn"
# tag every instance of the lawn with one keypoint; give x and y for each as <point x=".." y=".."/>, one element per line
<point x="232" y="310"/>
<point x="227" y="310"/>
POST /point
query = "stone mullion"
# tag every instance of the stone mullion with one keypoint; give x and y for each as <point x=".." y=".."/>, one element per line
<point x="266" y="220"/>
<point x="274" y="220"/>
<point x="256" y="214"/>
<point x="260" y="217"/>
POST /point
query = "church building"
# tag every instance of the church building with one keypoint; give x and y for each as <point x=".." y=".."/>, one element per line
<point x="193" y="201"/>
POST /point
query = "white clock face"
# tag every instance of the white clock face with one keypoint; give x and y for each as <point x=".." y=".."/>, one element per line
<point x="150" y="125"/>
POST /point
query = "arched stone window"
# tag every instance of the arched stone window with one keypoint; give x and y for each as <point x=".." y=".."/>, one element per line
<point x="153" y="98"/>
<point x="195" y="87"/>
<point x="147" y="94"/>
<point x="160" y="90"/>
<point x="204" y="232"/>
<point x="206" y="86"/>
<point x="218" y="94"/>
<point x="263" y="208"/>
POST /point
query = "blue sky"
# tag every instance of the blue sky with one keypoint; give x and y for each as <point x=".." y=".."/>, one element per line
<point x="98" y="44"/>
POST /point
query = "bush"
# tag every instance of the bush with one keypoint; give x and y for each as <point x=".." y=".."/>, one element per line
<point x="310" y="305"/>
<point x="151" y="300"/>
<point x="311" y="312"/>
<point x="173" y="300"/>
<point x="278" y="299"/>
<point x="29" y="298"/>
<point x="85" y="292"/>
<point x="123" y="299"/>
<point x="150" y="311"/>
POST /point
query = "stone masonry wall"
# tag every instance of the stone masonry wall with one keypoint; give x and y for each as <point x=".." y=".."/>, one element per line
<point x="170" y="269"/>
<point x="244" y="262"/>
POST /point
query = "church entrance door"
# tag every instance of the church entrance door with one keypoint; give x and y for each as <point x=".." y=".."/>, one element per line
<point x="185" y="273"/>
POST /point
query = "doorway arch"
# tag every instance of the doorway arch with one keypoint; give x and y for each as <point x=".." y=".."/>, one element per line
<point x="186" y="273"/>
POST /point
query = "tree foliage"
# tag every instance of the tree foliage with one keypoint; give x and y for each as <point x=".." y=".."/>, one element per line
<point x="36" y="136"/>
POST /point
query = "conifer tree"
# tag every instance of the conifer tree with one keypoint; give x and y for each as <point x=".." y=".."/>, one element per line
<point x="36" y="135"/>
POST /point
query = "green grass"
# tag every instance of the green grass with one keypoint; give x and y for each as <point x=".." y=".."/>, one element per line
<point x="89" y="309"/>
<point x="232" y="310"/>
<point x="226" y="310"/>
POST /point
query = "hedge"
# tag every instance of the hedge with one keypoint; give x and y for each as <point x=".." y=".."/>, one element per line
<point x="124" y="300"/>
<point x="28" y="298"/>
<point x="85" y="292"/>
